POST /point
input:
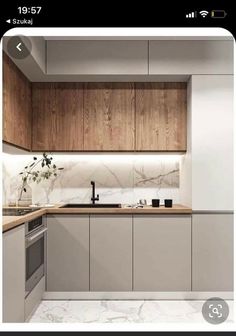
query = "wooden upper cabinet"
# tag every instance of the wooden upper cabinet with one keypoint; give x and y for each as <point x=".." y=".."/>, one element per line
<point x="57" y="116"/>
<point x="109" y="114"/>
<point x="161" y="114"/>
<point x="16" y="105"/>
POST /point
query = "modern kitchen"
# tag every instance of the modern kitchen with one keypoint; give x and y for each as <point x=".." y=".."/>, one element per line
<point x="117" y="177"/>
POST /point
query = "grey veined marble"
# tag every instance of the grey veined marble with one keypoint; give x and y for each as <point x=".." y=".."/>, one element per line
<point x="119" y="178"/>
<point x="121" y="312"/>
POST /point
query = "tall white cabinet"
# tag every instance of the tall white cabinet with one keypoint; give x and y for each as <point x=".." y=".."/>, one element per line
<point x="211" y="142"/>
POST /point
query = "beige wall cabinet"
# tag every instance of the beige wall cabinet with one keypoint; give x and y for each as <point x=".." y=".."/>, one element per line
<point x="212" y="252"/>
<point x="97" y="57"/>
<point x="111" y="252"/>
<point x="162" y="253"/>
<point x="14" y="275"/>
<point x="67" y="253"/>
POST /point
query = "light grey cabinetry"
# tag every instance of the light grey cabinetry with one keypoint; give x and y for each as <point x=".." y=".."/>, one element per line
<point x="162" y="253"/>
<point x="212" y="252"/>
<point x="111" y="252"/>
<point x="14" y="275"/>
<point x="190" y="57"/>
<point x="97" y="57"/>
<point x="67" y="253"/>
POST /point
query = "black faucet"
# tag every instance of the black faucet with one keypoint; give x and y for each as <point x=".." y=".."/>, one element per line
<point x="93" y="198"/>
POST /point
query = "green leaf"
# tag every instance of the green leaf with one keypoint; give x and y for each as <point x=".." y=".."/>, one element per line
<point x="21" y="173"/>
<point x="26" y="167"/>
<point x="54" y="166"/>
<point x="24" y="189"/>
<point x="60" y="168"/>
<point x="42" y="164"/>
<point x="35" y="158"/>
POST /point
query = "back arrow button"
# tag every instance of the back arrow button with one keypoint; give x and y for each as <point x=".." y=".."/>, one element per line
<point x="18" y="46"/>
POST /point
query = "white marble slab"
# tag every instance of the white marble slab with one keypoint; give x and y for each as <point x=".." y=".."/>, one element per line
<point x="122" y="312"/>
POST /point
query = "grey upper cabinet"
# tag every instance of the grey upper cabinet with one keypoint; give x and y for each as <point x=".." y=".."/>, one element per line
<point x="191" y="57"/>
<point x="212" y="265"/>
<point x="14" y="275"/>
<point x="97" y="57"/>
<point x="162" y="253"/>
<point x="111" y="252"/>
<point x="67" y="253"/>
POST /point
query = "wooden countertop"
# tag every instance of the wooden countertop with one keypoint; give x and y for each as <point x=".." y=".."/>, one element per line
<point x="9" y="222"/>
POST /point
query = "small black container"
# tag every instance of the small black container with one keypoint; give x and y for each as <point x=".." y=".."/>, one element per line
<point x="155" y="203"/>
<point x="168" y="203"/>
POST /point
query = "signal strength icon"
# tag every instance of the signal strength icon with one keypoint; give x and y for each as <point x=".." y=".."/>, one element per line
<point x="204" y="13"/>
<point x="191" y="15"/>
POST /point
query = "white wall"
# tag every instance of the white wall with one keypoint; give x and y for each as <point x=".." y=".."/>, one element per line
<point x="212" y="142"/>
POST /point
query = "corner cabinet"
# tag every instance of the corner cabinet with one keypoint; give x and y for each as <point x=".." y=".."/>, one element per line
<point x="162" y="253"/>
<point x="17" y="109"/>
<point x="67" y="253"/>
<point x="13" y="253"/>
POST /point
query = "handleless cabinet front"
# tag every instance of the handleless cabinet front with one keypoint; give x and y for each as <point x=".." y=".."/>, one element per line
<point x="13" y="244"/>
<point x="68" y="253"/>
<point x="111" y="253"/>
<point x="162" y="253"/>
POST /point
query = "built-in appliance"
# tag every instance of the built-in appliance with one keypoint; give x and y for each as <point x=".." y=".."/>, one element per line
<point x="35" y="246"/>
<point x="17" y="212"/>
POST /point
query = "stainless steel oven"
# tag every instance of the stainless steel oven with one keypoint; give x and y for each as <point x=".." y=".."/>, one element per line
<point x="35" y="245"/>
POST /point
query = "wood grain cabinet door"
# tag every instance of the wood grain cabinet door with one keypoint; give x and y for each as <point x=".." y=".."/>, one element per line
<point x="57" y="116"/>
<point x="16" y="105"/>
<point x="110" y="253"/>
<point x="161" y="116"/>
<point x="109" y="117"/>
<point x="162" y="253"/>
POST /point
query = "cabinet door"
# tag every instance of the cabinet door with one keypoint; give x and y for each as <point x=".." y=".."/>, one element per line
<point x="14" y="275"/>
<point x="213" y="264"/>
<point x="110" y="252"/>
<point x="57" y="116"/>
<point x="161" y="116"/>
<point x="16" y="105"/>
<point x="68" y="253"/>
<point x="109" y="116"/>
<point x="162" y="253"/>
<point x="97" y="57"/>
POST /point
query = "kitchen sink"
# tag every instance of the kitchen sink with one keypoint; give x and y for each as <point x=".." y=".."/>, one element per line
<point x="90" y="205"/>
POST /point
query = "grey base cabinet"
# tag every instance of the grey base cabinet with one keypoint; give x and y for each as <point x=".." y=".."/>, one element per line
<point x="14" y="275"/>
<point x="111" y="253"/>
<point x="212" y="252"/>
<point x="67" y="253"/>
<point x="162" y="253"/>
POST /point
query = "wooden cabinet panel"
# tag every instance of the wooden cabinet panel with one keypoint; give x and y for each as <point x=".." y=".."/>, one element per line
<point x="68" y="253"/>
<point x="162" y="253"/>
<point x="213" y="252"/>
<point x="109" y="116"/>
<point x="16" y="105"/>
<point x="57" y="116"/>
<point x="110" y="253"/>
<point x="161" y="116"/>
<point x="13" y="252"/>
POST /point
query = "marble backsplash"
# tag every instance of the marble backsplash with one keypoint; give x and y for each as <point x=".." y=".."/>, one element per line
<point x="119" y="178"/>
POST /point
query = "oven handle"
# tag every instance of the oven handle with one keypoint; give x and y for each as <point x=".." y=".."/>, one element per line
<point x="29" y="239"/>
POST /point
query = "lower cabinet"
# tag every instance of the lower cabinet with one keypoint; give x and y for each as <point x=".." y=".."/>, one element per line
<point x="213" y="251"/>
<point x="111" y="252"/>
<point x="67" y="253"/>
<point x="162" y="253"/>
<point x="14" y="275"/>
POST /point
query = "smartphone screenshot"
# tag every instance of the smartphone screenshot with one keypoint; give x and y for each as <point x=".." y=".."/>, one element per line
<point x="117" y="168"/>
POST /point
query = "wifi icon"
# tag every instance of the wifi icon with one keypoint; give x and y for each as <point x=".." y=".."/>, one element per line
<point x="203" y="13"/>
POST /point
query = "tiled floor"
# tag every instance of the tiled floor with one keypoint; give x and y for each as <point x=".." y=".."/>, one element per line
<point x="121" y="311"/>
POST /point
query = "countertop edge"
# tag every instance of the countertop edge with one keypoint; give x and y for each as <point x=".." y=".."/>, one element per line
<point x="19" y="220"/>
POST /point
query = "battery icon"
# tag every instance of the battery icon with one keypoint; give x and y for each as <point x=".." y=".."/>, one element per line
<point x="218" y="14"/>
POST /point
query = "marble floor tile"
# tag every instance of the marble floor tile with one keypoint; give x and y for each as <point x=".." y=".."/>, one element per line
<point x="129" y="311"/>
